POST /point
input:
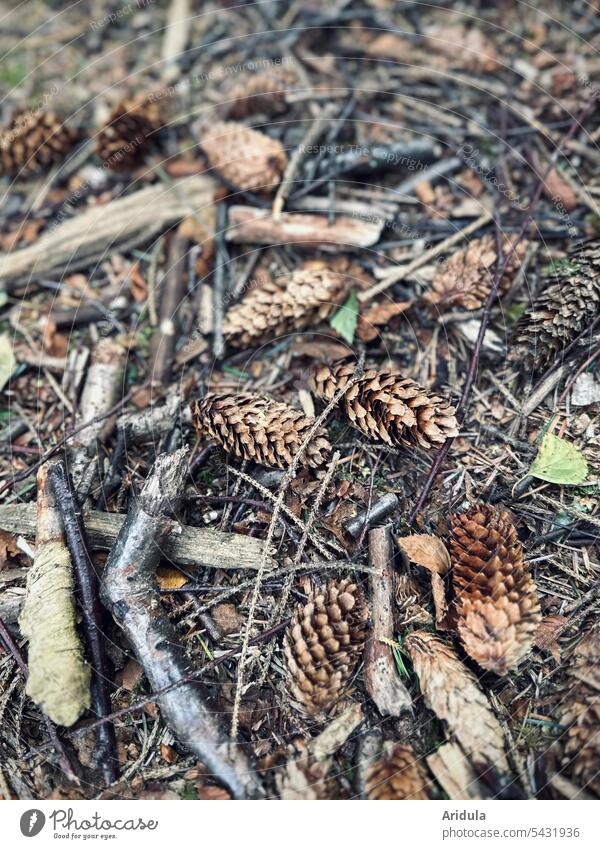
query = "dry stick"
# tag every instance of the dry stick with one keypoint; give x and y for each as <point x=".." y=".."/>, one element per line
<point x="289" y="583"/>
<point x="398" y="274"/>
<point x="286" y="480"/>
<point x="156" y="695"/>
<point x="218" y="286"/>
<point x="172" y="291"/>
<point x="59" y="677"/>
<point x="381" y="677"/>
<point x="130" y="592"/>
<point x="87" y="580"/>
<point x="501" y="267"/>
<point x="63" y="758"/>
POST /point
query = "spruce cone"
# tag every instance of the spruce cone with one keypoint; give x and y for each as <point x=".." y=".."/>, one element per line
<point x="562" y="310"/>
<point x="32" y="142"/>
<point x="388" y="407"/>
<point x="452" y="692"/>
<point x="305" y="297"/>
<point x="496" y="602"/>
<point x="396" y="775"/>
<point x="466" y="278"/>
<point x="262" y="93"/>
<point x="582" y="714"/>
<point x="245" y="158"/>
<point x="255" y="428"/>
<point x="129" y="132"/>
<point x="323" y="645"/>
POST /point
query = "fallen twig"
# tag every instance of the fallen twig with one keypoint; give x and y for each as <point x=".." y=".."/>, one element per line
<point x="130" y="592"/>
<point x="172" y="290"/>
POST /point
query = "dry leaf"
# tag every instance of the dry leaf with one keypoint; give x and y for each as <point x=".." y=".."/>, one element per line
<point x="426" y="550"/>
<point x="8" y="548"/>
<point x="546" y="635"/>
<point x="169" y="578"/>
<point x="453" y="694"/>
<point x="226" y="618"/>
<point x="557" y="189"/>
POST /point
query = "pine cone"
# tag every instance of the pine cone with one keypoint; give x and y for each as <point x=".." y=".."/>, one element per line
<point x="257" y="429"/>
<point x="388" y="407"/>
<point x="396" y="775"/>
<point x="562" y="310"/>
<point x="465" y="280"/>
<point x="452" y="692"/>
<point x="32" y="142"/>
<point x="262" y="93"/>
<point x="303" y="298"/>
<point x="129" y="132"/>
<point x="323" y="645"/>
<point x="245" y="158"/>
<point x="582" y="714"/>
<point x="496" y="602"/>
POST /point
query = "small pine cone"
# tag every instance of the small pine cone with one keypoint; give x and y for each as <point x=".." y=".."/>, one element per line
<point x="257" y="429"/>
<point x="453" y="694"/>
<point x="397" y="774"/>
<point x="323" y="645"/>
<point x="562" y="310"/>
<point x="129" y="133"/>
<point x="582" y="714"/>
<point x="388" y="407"/>
<point x="496" y="602"/>
<point x="303" y="298"/>
<point x="245" y="158"/>
<point x="262" y="93"/>
<point x="465" y="280"/>
<point x="32" y="142"/>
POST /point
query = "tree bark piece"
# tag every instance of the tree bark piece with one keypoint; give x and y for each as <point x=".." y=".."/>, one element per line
<point x="380" y="674"/>
<point x="259" y="227"/>
<point x="59" y="677"/>
<point x="126" y="221"/>
<point x="162" y="346"/>
<point x="186" y="546"/>
<point x="130" y="592"/>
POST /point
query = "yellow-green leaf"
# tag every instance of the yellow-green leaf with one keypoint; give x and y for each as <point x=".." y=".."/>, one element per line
<point x="344" y="321"/>
<point x="559" y="461"/>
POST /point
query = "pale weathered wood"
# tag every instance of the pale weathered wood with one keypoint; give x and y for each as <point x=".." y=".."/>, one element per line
<point x="189" y="547"/>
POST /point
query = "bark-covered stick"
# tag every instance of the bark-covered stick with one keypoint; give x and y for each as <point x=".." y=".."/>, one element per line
<point x="130" y="592"/>
<point x="381" y="676"/>
<point x="59" y="677"/>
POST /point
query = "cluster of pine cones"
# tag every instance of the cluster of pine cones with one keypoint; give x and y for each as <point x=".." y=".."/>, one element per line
<point x="35" y="140"/>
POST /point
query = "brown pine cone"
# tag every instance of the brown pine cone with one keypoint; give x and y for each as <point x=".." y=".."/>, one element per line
<point x="465" y="280"/>
<point x="261" y="93"/>
<point x="323" y="645"/>
<point x="245" y="158"/>
<point x="257" y="429"/>
<point x="388" y="407"/>
<point x="582" y="714"/>
<point x="303" y="298"/>
<point x="397" y="774"/>
<point x="496" y="602"/>
<point x="131" y="130"/>
<point x="32" y="142"/>
<point x="562" y="310"/>
<point x="452" y="692"/>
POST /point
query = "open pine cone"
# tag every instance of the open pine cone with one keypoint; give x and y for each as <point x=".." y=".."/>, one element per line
<point x="303" y="298"/>
<point x="465" y="280"/>
<point x="130" y="132"/>
<point x="562" y="310"/>
<point x="245" y="158"/>
<point x="323" y="645"/>
<point x="257" y="429"/>
<point x="32" y="142"/>
<point x="397" y="774"/>
<point x="582" y="714"/>
<point x="496" y="602"/>
<point x="388" y="407"/>
<point x="261" y="93"/>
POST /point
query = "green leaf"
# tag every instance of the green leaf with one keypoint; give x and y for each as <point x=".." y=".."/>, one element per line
<point x="559" y="461"/>
<point x="8" y="362"/>
<point x="344" y="321"/>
